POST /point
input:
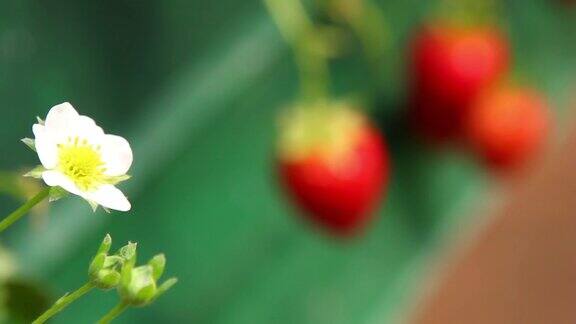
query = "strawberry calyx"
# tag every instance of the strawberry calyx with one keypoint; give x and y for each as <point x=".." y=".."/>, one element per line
<point x="325" y="130"/>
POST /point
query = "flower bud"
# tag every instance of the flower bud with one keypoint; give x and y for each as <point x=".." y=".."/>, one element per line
<point x="128" y="252"/>
<point x="98" y="262"/>
<point x="107" y="279"/>
<point x="139" y="285"/>
<point x="104" y="269"/>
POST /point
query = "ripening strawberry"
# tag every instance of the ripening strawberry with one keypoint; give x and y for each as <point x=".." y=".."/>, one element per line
<point x="508" y="125"/>
<point x="451" y="65"/>
<point x="334" y="164"/>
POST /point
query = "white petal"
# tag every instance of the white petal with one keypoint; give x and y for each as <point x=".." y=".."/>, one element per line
<point x="116" y="154"/>
<point x="109" y="197"/>
<point x="38" y="130"/>
<point x="56" y="178"/>
<point x="45" y="146"/>
<point x="86" y="128"/>
<point x="64" y="123"/>
<point x="61" y="117"/>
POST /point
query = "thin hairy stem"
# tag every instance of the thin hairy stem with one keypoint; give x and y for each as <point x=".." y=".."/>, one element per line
<point x="63" y="303"/>
<point x="18" y="213"/>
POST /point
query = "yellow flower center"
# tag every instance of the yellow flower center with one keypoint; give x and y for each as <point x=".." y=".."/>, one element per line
<point x="82" y="163"/>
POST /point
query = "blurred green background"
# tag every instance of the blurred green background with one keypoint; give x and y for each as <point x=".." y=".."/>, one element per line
<point x="195" y="86"/>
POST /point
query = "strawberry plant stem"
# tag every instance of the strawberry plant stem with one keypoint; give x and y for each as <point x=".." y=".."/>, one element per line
<point x="113" y="313"/>
<point x="306" y="42"/>
<point x="63" y="302"/>
<point x="25" y="208"/>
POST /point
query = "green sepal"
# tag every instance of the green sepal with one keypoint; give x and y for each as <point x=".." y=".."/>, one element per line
<point x="113" y="261"/>
<point x="93" y="205"/>
<point x="128" y="252"/>
<point x="145" y="295"/>
<point x="56" y="193"/>
<point x="107" y="279"/>
<point x="36" y="172"/>
<point x="114" y="180"/>
<point x="106" y="244"/>
<point x="158" y="262"/>
<point x="99" y="261"/>
<point x="30" y="143"/>
<point x="165" y="286"/>
<point x="96" y="265"/>
<point x="40" y="121"/>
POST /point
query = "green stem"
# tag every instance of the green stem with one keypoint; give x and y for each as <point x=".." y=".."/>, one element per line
<point x="113" y="313"/>
<point x="369" y="23"/>
<point x="18" y="213"/>
<point x="469" y="12"/>
<point x="63" y="302"/>
<point x="306" y="42"/>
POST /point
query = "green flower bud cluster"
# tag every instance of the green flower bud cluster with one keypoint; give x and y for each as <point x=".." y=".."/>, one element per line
<point x="104" y="270"/>
<point x="139" y="285"/>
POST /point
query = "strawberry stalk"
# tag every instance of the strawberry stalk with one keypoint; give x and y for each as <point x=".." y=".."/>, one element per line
<point x="308" y="45"/>
<point x="368" y="22"/>
<point x="468" y="12"/>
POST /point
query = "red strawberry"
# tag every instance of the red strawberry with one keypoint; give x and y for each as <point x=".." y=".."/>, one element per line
<point x="507" y="125"/>
<point x="335" y="166"/>
<point x="451" y="65"/>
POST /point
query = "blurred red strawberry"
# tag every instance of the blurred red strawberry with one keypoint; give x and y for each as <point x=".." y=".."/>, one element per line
<point x="451" y="65"/>
<point x="334" y="164"/>
<point x="507" y="126"/>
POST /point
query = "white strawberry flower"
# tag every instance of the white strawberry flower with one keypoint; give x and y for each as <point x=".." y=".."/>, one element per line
<point x="79" y="157"/>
